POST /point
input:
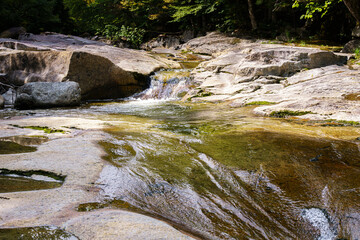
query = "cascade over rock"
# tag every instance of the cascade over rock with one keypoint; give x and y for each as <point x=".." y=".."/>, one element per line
<point x="102" y="71"/>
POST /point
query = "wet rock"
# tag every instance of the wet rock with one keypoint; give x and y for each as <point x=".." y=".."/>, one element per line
<point x="117" y="224"/>
<point x="9" y="97"/>
<point x="13" y="32"/>
<point x="43" y="95"/>
<point x="356" y="32"/>
<point x="187" y="36"/>
<point x="102" y="71"/>
<point x="2" y="102"/>
<point x="163" y="40"/>
<point x="351" y="46"/>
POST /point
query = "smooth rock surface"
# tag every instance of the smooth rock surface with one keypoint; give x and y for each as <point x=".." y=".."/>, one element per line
<point x="117" y="224"/>
<point x="291" y="78"/>
<point x="102" y="71"/>
<point x="212" y="44"/>
<point x="76" y="155"/>
<point x="48" y="94"/>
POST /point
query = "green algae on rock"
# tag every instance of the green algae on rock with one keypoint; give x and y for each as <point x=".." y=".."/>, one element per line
<point x="43" y="128"/>
<point x="259" y="103"/>
<point x="288" y="113"/>
<point x="36" y="233"/>
<point x="7" y="147"/>
<point x="16" y="180"/>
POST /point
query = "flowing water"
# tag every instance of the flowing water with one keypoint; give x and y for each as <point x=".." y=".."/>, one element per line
<point x="211" y="174"/>
<point x="220" y="173"/>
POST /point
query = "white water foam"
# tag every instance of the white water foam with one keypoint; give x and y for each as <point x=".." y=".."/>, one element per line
<point x="318" y="219"/>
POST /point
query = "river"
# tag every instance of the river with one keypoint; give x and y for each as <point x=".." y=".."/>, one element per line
<point x="218" y="172"/>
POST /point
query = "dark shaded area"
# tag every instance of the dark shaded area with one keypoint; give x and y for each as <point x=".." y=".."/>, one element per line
<point x="136" y="21"/>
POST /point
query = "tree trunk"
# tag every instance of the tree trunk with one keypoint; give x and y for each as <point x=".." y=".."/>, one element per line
<point x="252" y="16"/>
<point x="354" y="8"/>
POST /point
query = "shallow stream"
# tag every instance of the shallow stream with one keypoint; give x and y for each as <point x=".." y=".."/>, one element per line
<point x="218" y="172"/>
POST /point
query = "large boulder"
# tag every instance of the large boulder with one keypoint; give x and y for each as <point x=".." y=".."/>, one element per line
<point x="14" y="32"/>
<point x="48" y="94"/>
<point x="246" y="68"/>
<point x="102" y="71"/>
<point x="283" y="78"/>
<point x="212" y="44"/>
<point x="351" y="46"/>
<point x="162" y="41"/>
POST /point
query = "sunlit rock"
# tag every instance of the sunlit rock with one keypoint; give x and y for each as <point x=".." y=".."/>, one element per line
<point x="102" y="71"/>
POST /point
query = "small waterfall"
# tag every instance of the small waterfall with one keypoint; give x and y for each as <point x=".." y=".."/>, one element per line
<point x="170" y="84"/>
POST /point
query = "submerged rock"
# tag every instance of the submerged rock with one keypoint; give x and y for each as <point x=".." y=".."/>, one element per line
<point x="102" y="71"/>
<point x="43" y="95"/>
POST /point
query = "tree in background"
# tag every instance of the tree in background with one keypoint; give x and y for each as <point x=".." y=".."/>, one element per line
<point x="327" y="19"/>
<point x="135" y="20"/>
<point x="34" y="15"/>
<point x="354" y="8"/>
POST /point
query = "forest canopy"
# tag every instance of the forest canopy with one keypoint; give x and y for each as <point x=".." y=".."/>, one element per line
<point x="139" y="19"/>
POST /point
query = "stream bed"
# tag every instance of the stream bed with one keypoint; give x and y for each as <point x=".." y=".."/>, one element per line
<point x="222" y="175"/>
<point x="218" y="172"/>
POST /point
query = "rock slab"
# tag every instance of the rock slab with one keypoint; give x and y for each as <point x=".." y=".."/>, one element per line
<point x="279" y="76"/>
<point x="44" y="95"/>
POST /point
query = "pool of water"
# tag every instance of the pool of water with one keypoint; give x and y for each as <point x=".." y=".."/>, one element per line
<point x="18" y="181"/>
<point x="221" y="173"/>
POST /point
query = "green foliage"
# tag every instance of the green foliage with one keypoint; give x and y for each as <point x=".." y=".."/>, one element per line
<point x="129" y="19"/>
<point x="315" y="6"/>
<point x="132" y="35"/>
<point x="357" y="53"/>
<point x="194" y="9"/>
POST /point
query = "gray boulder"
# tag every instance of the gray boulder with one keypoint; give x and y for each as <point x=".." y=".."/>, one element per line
<point x="212" y="44"/>
<point x="163" y="40"/>
<point x="351" y="46"/>
<point x="2" y="102"/>
<point x="356" y="32"/>
<point x="14" y="32"/>
<point x="48" y="94"/>
<point x="102" y="71"/>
